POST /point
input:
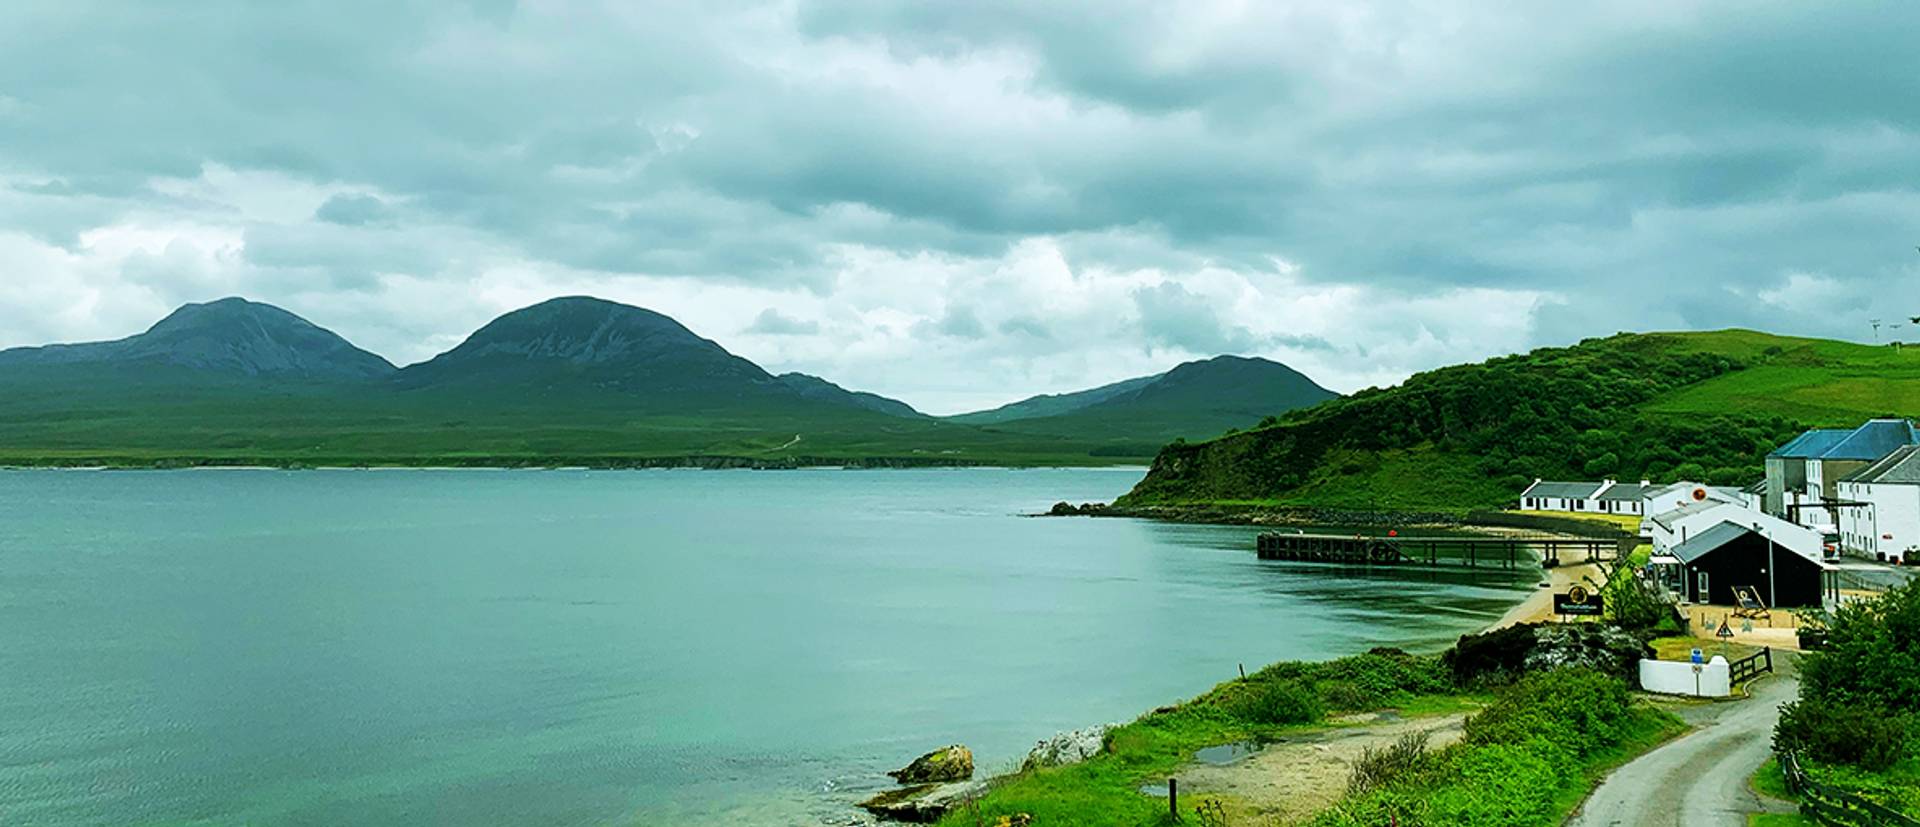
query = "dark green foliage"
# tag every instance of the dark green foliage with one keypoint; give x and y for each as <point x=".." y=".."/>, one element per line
<point x="1859" y="736"/>
<point x="1494" y="656"/>
<point x="1860" y="693"/>
<point x="1277" y="703"/>
<point x="1576" y="710"/>
<point x="1632" y="604"/>
<point x="1376" y="679"/>
<point x="1872" y="655"/>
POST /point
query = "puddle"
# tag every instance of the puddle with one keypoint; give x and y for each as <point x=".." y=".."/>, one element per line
<point x="1226" y="753"/>
<point x="1157" y="790"/>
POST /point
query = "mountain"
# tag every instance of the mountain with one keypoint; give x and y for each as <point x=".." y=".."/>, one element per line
<point x="814" y="387"/>
<point x="1195" y="400"/>
<point x="1654" y="406"/>
<point x="230" y="338"/>
<point x="1049" y="404"/>
<point x="580" y="345"/>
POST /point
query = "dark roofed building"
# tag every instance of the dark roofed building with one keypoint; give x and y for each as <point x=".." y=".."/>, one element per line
<point x="1729" y="556"/>
<point x="1625" y="497"/>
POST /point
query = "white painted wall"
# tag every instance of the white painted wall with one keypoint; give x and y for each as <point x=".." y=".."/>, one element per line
<point x="1714" y="679"/>
<point x="1889" y="527"/>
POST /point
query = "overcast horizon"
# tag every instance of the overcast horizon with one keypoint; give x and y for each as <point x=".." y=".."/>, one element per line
<point x="960" y="206"/>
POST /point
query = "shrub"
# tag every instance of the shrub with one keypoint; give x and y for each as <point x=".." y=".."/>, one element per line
<point x="1498" y="786"/>
<point x="1575" y="710"/>
<point x="1843" y="734"/>
<point x="1279" y="702"/>
<point x="1400" y="761"/>
<point x="1872" y="655"/>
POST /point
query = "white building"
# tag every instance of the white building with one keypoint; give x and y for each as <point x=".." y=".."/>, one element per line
<point x="1886" y="524"/>
<point x="1664" y="498"/>
<point x="1669" y="529"/>
<point x="1803" y="476"/>
<point x="1572" y="497"/>
<point x="1624" y="498"/>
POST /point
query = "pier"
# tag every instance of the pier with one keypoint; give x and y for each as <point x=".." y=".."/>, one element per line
<point x="1463" y="552"/>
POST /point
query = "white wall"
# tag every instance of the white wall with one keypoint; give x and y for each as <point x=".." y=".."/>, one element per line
<point x="1713" y="680"/>
<point x="1888" y="527"/>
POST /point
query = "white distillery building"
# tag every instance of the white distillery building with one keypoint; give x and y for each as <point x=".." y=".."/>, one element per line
<point x="1603" y="497"/>
<point x="1664" y="498"/>
<point x="1672" y="528"/>
<point x="1886" y="523"/>
<point x="1803" y="476"/>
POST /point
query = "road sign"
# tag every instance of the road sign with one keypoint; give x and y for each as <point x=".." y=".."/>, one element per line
<point x="1578" y="601"/>
<point x="1699" y="657"/>
<point x="1725" y="630"/>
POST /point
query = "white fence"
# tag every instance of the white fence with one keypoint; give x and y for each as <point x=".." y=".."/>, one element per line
<point x="1713" y="679"/>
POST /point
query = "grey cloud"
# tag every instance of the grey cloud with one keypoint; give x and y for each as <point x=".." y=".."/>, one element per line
<point x="352" y="210"/>
<point x="1172" y="316"/>
<point x="959" y="322"/>
<point x="772" y="322"/>
<point x="1638" y="166"/>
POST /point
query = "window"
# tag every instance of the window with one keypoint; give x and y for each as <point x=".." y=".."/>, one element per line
<point x="1701" y="595"/>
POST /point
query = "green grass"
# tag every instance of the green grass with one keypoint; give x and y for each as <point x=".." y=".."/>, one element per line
<point x="1105" y="790"/>
<point x="1816" y="382"/>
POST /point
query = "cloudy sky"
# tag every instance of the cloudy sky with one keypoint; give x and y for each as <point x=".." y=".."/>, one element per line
<point x="963" y="203"/>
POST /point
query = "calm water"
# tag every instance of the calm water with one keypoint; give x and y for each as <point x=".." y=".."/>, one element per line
<point x="661" y="647"/>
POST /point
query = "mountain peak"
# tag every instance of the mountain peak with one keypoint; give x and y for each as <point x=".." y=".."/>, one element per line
<point x="581" y="340"/>
<point x="231" y="336"/>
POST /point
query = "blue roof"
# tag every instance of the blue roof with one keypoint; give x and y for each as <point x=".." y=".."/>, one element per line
<point x="1811" y="444"/>
<point x="1874" y="440"/>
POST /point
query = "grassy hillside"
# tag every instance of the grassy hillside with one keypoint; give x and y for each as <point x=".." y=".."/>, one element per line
<point x="1657" y="406"/>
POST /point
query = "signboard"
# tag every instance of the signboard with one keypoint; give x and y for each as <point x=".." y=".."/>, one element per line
<point x="1578" y="601"/>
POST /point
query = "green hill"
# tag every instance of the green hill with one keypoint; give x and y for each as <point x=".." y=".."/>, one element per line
<point x="1194" y="400"/>
<point x="574" y="381"/>
<point x="1053" y="404"/>
<point x="1632" y="406"/>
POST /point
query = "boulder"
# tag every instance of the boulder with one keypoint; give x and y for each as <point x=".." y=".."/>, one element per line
<point x="1067" y="748"/>
<point x="954" y="763"/>
<point x="923" y="803"/>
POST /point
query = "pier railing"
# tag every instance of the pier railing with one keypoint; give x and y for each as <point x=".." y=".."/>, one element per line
<point x="1465" y="551"/>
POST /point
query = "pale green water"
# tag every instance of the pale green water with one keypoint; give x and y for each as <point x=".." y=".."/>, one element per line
<point x="387" y="648"/>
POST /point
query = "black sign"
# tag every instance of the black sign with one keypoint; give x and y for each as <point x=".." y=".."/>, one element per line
<point x="1578" y="601"/>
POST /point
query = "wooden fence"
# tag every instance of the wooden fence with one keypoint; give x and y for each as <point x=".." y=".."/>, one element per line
<point x="1750" y="667"/>
<point x="1837" y="808"/>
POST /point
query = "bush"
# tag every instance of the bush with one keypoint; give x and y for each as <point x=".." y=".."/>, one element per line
<point x="1378" y="768"/>
<point x="1843" y="734"/>
<point x="1576" y="710"/>
<point x="1871" y="656"/>
<point x="1279" y="702"/>
<point x="1498" y="786"/>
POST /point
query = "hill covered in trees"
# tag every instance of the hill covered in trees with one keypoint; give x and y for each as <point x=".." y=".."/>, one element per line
<point x="1661" y="406"/>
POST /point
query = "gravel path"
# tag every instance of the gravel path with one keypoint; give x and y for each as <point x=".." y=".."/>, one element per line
<point x="1700" y="778"/>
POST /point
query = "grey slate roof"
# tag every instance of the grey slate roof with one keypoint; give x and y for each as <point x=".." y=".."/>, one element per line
<point x="1666" y="518"/>
<point x="1811" y="444"/>
<point x="1900" y="467"/>
<point x="1874" y="440"/>
<point x="1563" y="490"/>
<point x="1626" y="491"/>
<point x="1709" y="541"/>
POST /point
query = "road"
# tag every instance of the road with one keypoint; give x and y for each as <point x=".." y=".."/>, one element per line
<point x="1701" y="777"/>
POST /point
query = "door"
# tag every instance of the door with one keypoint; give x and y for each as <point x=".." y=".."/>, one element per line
<point x="1701" y="595"/>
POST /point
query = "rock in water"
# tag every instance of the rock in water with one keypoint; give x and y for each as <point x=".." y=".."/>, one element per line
<point x="954" y="763"/>
<point x="1067" y="748"/>
<point x="923" y="803"/>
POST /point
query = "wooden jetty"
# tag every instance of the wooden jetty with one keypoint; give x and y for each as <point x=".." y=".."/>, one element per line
<point x="1393" y="550"/>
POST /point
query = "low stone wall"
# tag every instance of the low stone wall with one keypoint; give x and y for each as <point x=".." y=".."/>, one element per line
<point x="1713" y="679"/>
<point x="1546" y="522"/>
